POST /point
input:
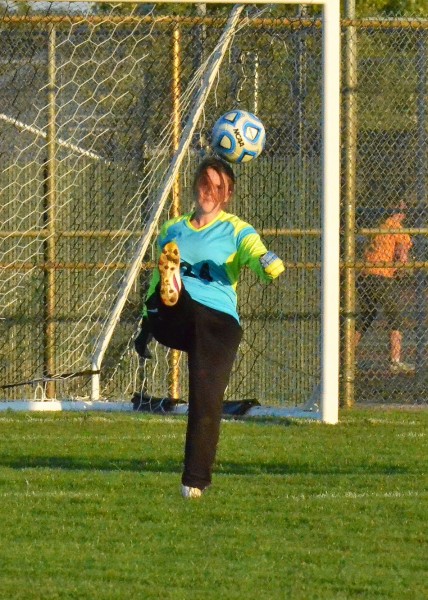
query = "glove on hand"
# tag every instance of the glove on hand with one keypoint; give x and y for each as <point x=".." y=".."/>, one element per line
<point x="142" y="340"/>
<point x="272" y="264"/>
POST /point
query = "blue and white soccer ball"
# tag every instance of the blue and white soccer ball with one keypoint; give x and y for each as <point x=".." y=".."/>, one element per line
<point x="238" y="136"/>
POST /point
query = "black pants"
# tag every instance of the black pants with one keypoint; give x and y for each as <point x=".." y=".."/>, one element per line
<point x="211" y="339"/>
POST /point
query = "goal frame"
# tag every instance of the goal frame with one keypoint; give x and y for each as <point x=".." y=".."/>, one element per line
<point x="330" y="194"/>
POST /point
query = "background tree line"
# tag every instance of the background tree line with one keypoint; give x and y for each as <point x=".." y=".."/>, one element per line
<point x="364" y="8"/>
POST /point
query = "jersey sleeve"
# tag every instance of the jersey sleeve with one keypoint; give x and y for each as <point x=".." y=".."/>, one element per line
<point x="254" y="254"/>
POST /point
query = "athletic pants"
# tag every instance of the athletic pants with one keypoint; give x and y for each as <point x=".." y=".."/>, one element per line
<point x="211" y="339"/>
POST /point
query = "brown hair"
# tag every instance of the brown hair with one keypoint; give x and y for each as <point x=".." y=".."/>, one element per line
<point x="223" y="169"/>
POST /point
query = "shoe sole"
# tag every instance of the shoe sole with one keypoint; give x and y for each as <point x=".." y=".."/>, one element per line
<point x="169" y="269"/>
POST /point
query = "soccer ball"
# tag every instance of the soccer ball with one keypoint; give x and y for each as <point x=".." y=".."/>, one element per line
<point x="238" y="136"/>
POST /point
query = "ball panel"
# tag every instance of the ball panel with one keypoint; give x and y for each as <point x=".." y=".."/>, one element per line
<point x="252" y="133"/>
<point x="231" y="117"/>
<point x="246" y="156"/>
<point x="227" y="142"/>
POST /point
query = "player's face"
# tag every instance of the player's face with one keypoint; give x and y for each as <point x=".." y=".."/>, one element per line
<point x="214" y="191"/>
<point x="401" y="215"/>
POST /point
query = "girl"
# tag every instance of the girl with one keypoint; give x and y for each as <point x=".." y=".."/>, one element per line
<point x="192" y="306"/>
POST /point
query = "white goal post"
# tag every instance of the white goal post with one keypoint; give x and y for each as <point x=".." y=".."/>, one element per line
<point x="192" y="106"/>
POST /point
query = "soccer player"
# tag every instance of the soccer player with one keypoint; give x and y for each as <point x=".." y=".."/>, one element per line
<point x="378" y="286"/>
<point x="191" y="306"/>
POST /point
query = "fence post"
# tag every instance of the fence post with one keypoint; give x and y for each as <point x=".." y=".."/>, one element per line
<point x="174" y="357"/>
<point x="421" y="245"/>
<point x="350" y="161"/>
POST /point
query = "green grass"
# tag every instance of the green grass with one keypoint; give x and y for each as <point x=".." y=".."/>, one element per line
<point x="90" y="508"/>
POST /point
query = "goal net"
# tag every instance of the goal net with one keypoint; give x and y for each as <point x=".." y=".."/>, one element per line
<point x="106" y="109"/>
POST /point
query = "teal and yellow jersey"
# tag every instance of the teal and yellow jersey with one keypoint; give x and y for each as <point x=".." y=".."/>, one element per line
<point x="212" y="256"/>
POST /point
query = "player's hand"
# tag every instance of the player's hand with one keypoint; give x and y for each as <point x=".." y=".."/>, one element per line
<point x="142" y="340"/>
<point x="272" y="264"/>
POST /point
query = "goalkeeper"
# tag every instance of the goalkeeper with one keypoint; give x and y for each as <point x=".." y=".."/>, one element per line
<point x="191" y="306"/>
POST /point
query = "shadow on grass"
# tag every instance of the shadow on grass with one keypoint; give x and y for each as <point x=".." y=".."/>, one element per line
<point x="166" y="465"/>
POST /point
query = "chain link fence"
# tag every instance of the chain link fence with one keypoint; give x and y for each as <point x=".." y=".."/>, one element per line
<point x="86" y="103"/>
<point x="385" y="211"/>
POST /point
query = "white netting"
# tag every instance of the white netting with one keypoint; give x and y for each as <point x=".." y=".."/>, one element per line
<point x="92" y="108"/>
<point x="86" y="160"/>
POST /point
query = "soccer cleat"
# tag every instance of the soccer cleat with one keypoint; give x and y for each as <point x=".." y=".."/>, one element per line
<point x="190" y="492"/>
<point x="401" y="367"/>
<point x="169" y="269"/>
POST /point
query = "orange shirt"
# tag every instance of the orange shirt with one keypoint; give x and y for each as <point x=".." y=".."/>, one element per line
<point x="384" y="248"/>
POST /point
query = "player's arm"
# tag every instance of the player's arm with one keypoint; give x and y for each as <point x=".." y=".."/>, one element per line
<point x="262" y="261"/>
<point x="402" y="249"/>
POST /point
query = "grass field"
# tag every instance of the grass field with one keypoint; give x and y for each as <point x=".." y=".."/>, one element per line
<point x="90" y="508"/>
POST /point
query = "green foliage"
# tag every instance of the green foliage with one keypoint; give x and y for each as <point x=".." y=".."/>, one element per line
<point x="387" y="8"/>
<point x="91" y="509"/>
<point x="364" y="8"/>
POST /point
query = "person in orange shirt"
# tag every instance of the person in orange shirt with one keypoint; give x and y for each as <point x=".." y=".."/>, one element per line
<point x="378" y="288"/>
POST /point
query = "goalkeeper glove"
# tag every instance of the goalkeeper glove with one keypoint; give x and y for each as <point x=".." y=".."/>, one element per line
<point x="272" y="264"/>
<point x="142" y="340"/>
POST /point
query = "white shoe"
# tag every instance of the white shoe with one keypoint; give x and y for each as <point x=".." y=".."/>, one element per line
<point x="190" y="492"/>
<point x="169" y="269"/>
<point x="397" y="366"/>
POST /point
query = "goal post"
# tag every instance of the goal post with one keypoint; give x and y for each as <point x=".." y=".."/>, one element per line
<point x="115" y="162"/>
<point x="330" y="303"/>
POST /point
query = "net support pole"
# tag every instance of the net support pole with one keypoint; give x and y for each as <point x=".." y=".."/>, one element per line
<point x="330" y="252"/>
<point x="49" y="323"/>
<point x="186" y="137"/>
